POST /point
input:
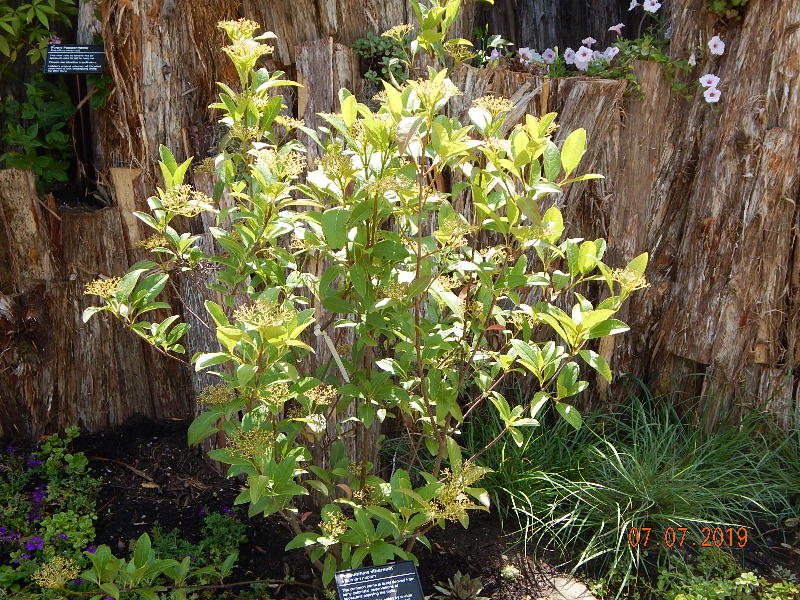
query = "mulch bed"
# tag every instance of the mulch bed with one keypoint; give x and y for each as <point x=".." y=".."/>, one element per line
<point x="151" y="477"/>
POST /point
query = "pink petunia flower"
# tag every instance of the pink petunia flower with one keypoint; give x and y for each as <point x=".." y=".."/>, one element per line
<point x="548" y="56"/>
<point x="569" y="56"/>
<point x="651" y="6"/>
<point x="633" y="5"/>
<point x="617" y="28"/>
<point x="589" y="41"/>
<point x="692" y="60"/>
<point x="709" y="80"/>
<point x="716" y="45"/>
<point x="712" y="94"/>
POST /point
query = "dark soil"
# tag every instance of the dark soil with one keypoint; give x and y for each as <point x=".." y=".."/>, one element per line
<point x="151" y="477"/>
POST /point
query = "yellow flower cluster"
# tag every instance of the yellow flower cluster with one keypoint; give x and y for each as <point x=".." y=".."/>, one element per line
<point x="246" y="52"/>
<point x="333" y="525"/>
<point x="322" y="394"/>
<point x="446" y="282"/>
<point x="275" y="395"/>
<point x="395" y="290"/>
<point x="495" y="105"/>
<point x="263" y="313"/>
<point x="250" y="444"/>
<point x="335" y="164"/>
<point x="246" y="133"/>
<point x="457" y="51"/>
<point x="240" y="29"/>
<point x="389" y="183"/>
<point x="369" y="495"/>
<point x="398" y="32"/>
<point x="431" y="92"/>
<point x="184" y="201"/>
<point x="287" y="166"/>
<point x="154" y="241"/>
<point x="56" y="573"/>
<point x="628" y="280"/>
<point x="216" y="395"/>
<point x="289" y="123"/>
<point x="206" y="165"/>
<point x="456" y="229"/>
<point x="105" y="288"/>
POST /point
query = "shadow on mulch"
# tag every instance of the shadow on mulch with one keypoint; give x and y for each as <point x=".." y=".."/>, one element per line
<point x="151" y="477"/>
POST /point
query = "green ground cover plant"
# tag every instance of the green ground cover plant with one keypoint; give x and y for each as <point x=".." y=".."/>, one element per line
<point x="367" y="239"/>
<point x="48" y="508"/>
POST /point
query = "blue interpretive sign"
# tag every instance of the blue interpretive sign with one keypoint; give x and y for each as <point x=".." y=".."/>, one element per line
<point x="395" y="581"/>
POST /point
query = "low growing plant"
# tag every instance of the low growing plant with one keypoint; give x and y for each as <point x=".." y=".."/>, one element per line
<point x="368" y="241"/>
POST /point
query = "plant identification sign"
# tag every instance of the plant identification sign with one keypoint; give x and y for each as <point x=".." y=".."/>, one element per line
<point x="396" y="581"/>
<point x="71" y="58"/>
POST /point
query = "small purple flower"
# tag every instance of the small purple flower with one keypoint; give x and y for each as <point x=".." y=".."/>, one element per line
<point x="525" y="53"/>
<point x="33" y="516"/>
<point x="610" y="53"/>
<point x="617" y="28"/>
<point x="34" y="462"/>
<point x="77" y="581"/>
<point x="91" y="549"/>
<point x="21" y="557"/>
<point x="34" y="543"/>
<point x="202" y="512"/>
<point x="61" y="536"/>
<point x="10" y="449"/>
<point x="495" y="54"/>
<point x="548" y="56"/>
<point x="569" y="56"/>
<point x="226" y="510"/>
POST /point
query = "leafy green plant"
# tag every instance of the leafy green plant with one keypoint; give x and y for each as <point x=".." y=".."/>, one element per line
<point x="729" y="9"/>
<point x="381" y="55"/>
<point x="461" y="587"/>
<point x="714" y="575"/>
<point x="25" y="27"/>
<point x="47" y="503"/>
<point x="221" y="536"/>
<point x="418" y="297"/>
<point x="582" y="494"/>
<point x="34" y="132"/>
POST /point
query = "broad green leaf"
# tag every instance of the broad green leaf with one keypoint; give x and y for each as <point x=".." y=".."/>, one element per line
<point x="334" y="227"/>
<point x="572" y="150"/>
<point x="570" y="414"/>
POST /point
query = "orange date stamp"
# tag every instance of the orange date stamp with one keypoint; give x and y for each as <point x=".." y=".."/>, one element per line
<point x="677" y="537"/>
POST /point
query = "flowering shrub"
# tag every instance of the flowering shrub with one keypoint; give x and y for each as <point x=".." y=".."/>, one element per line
<point x="368" y="241"/>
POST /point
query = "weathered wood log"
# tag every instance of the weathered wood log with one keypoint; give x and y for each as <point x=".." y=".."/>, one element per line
<point x="27" y="258"/>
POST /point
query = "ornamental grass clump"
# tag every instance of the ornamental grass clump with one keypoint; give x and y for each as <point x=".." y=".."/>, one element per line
<point x="367" y="239"/>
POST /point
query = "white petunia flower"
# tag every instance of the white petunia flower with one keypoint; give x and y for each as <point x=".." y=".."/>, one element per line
<point x="709" y="80"/>
<point x="692" y="60"/>
<point x="569" y="56"/>
<point x="524" y="53"/>
<point x="610" y="53"/>
<point x="716" y="45"/>
<point x="617" y="28"/>
<point x="589" y="41"/>
<point x="712" y="94"/>
<point x="582" y="58"/>
<point x="633" y="5"/>
<point x="651" y="6"/>
<point x="548" y="56"/>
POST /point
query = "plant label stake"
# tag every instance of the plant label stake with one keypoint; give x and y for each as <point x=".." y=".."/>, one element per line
<point x="395" y="581"/>
<point x="70" y="58"/>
